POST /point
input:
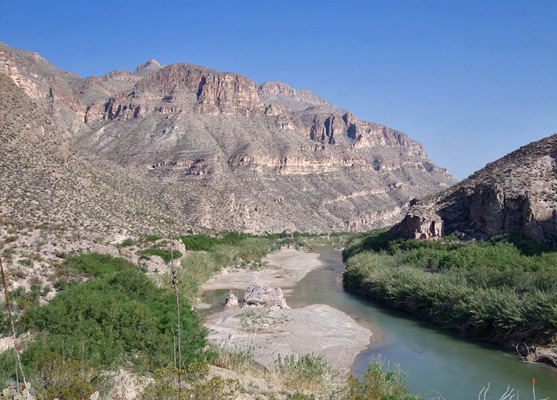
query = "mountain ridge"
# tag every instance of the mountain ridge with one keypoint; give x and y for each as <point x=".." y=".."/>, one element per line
<point x="276" y="157"/>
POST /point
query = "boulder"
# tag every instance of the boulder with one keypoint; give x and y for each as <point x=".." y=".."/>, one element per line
<point x="231" y="301"/>
<point x="264" y="296"/>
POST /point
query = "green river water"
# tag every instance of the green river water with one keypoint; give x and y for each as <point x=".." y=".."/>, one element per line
<point x="438" y="364"/>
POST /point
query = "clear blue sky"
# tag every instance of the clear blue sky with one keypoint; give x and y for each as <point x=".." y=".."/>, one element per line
<point x="471" y="80"/>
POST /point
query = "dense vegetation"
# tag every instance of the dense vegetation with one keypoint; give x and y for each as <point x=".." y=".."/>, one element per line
<point x="204" y="242"/>
<point x="504" y="290"/>
<point x="117" y="317"/>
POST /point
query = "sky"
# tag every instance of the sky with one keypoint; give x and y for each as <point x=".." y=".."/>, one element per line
<point x="471" y="80"/>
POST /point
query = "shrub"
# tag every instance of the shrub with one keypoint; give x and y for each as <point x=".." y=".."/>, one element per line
<point x="489" y="290"/>
<point x="378" y="383"/>
<point x="162" y="253"/>
<point x="153" y="238"/>
<point x="127" y="243"/>
<point x="97" y="264"/>
<point x="62" y="379"/>
<point x="114" y="316"/>
<point x="198" y="242"/>
<point x="194" y="384"/>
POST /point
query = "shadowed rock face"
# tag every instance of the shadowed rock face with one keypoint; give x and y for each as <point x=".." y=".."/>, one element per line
<point x="515" y="194"/>
<point x="266" y="157"/>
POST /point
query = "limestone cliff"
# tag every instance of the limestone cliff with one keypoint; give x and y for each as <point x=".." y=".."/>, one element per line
<point x="272" y="157"/>
<point x="515" y="194"/>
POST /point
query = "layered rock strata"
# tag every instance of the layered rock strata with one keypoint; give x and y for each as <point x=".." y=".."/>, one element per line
<point x="259" y="157"/>
<point x="516" y="194"/>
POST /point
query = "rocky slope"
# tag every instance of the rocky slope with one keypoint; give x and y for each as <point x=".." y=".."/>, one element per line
<point x="237" y="155"/>
<point x="44" y="182"/>
<point x="515" y="194"/>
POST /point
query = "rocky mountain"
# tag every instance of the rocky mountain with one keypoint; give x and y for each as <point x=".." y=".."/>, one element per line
<point x="236" y="155"/>
<point x="515" y="194"/>
<point x="45" y="184"/>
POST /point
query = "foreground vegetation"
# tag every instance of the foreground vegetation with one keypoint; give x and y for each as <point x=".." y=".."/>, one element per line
<point x="116" y="317"/>
<point x="504" y="291"/>
<point x="109" y="314"/>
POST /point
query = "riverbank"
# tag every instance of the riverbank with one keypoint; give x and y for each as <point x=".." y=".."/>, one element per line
<point x="503" y="293"/>
<point x="318" y="329"/>
<point x="284" y="269"/>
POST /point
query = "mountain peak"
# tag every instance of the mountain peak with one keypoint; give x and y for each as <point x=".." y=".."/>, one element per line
<point x="151" y="63"/>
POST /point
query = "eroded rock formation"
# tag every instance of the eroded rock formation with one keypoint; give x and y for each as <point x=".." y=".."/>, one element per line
<point x="515" y="194"/>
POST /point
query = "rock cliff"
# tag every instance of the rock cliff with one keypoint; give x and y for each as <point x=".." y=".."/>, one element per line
<point x="253" y="157"/>
<point x="515" y="194"/>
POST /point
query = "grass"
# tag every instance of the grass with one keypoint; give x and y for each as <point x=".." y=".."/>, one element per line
<point x="380" y="383"/>
<point x="239" y="360"/>
<point x="498" y="291"/>
<point x="306" y="373"/>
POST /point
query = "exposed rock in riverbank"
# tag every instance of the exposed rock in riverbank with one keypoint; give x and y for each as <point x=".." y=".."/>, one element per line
<point x="317" y="329"/>
<point x="264" y="296"/>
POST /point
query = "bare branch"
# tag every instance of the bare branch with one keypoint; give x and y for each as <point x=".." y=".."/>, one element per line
<point x="16" y="347"/>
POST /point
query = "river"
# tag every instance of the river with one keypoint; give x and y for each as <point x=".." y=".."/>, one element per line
<point x="438" y="364"/>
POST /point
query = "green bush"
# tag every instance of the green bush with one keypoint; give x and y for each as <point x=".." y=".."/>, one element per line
<point x="153" y="238"/>
<point x="117" y="315"/>
<point x="165" y="254"/>
<point x="9" y="368"/>
<point x="198" y="242"/>
<point x="97" y="264"/>
<point x="127" y="243"/>
<point x="58" y="378"/>
<point x="378" y="383"/>
<point x="205" y="243"/>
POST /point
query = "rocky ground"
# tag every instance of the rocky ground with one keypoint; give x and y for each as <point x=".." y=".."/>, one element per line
<point x="233" y="155"/>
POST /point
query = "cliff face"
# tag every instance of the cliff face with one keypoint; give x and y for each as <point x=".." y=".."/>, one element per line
<point x="515" y="194"/>
<point x="274" y="157"/>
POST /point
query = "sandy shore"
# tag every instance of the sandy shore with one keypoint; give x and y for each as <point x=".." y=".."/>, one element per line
<point x="283" y="269"/>
<point x="317" y="329"/>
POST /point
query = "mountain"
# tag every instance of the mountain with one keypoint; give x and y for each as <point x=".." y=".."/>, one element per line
<point x="44" y="183"/>
<point x="236" y="155"/>
<point x="515" y="194"/>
